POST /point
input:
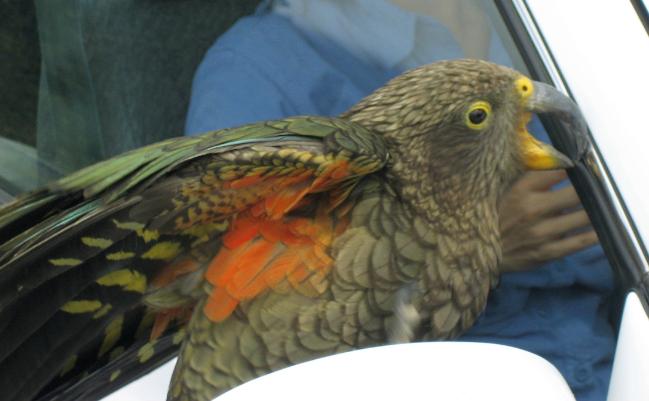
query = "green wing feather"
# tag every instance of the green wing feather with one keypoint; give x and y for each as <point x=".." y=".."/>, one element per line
<point x="58" y="242"/>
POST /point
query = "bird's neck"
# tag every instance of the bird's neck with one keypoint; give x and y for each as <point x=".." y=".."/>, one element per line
<point x="452" y="211"/>
<point x="455" y="187"/>
<point x="460" y="203"/>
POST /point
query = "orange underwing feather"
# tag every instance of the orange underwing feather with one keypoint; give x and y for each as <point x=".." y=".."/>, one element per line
<point x="265" y="246"/>
<point x="160" y="324"/>
<point x="170" y="273"/>
<point x="249" y="266"/>
<point x="283" y="263"/>
<point x="292" y="250"/>
<point x="244" y="229"/>
<point x="284" y="200"/>
<point x="163" y="320"/>
<point x="223" y="266"/>
<point x="219" y="305"/>
<point x="246" y="181"/>
<point x="336" y="171"/>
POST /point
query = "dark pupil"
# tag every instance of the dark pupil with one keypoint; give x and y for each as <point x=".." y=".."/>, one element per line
<point x="477" y="116"/>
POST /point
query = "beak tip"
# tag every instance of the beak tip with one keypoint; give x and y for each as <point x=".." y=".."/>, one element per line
<point x="566" y="162"/>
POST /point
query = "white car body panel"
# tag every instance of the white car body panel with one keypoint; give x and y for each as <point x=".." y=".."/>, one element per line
<point x="629" y="380"/>
<point x="451" y="371"/>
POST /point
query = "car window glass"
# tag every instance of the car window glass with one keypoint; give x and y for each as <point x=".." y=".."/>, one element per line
<point x="74" y="96"/>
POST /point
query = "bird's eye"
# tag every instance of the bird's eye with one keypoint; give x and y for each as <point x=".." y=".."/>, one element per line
<point x="477" y="115"/>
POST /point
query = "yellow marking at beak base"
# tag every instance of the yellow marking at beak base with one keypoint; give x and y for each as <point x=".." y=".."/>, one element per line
<point x="536" y="154"/>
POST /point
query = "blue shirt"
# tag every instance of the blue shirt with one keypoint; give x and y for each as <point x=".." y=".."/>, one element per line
<point x="265" y="68"/>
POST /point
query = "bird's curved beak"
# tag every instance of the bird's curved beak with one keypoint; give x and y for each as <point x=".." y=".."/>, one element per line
<point x="546" y="99"/>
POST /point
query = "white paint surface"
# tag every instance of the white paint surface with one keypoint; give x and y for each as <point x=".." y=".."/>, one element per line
<point x="449" y="371"/>
<point x="602" y="49"/>
<point x="630" y="377"/>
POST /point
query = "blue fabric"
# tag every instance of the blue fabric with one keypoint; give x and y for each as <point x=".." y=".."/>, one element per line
<point x="264" y="68"/>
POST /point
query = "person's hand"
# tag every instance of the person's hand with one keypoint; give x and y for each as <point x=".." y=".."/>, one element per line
<point x="538" y="224"/>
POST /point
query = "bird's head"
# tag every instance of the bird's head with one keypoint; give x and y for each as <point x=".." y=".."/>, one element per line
<point x="457" y="129"/>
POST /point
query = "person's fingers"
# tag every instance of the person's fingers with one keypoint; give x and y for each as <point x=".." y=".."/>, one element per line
<point x="555" y="201"/>
<point x="537" y="205"/>
<point x="529" y="257"/>
<point x="556" y="226"/>
<point x="546" y="230"/>
<point x="542" y="180"/>
<point x="566" y="246"/>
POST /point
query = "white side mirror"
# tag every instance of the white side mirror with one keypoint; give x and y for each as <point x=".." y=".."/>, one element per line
<point x="419" y="371"/>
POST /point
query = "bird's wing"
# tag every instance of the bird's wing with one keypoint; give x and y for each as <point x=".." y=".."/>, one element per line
<point x="77" y="257"/>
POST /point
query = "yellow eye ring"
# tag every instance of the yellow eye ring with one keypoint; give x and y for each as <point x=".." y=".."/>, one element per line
<point x="525" y="87"/>
<point x="477" y="116"/>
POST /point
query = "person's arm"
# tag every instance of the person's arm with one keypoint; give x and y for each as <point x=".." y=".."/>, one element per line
<point x="229" y="91"/>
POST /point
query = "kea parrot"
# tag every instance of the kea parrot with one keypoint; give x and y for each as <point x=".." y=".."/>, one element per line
<point x="257" y="247"/>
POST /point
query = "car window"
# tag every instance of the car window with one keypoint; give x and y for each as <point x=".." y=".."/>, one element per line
<point x="73" y="97"/>
<point x="83" y="81"/>
<point x="19" y="77"/>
